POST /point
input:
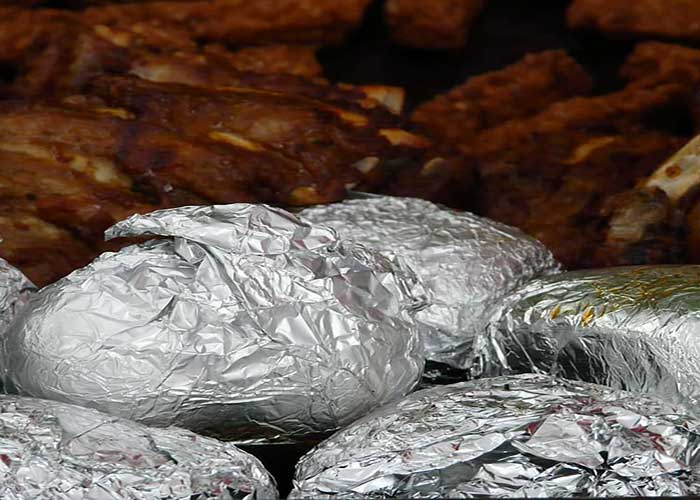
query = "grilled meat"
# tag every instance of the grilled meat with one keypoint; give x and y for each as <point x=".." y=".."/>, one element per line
<point x="242" y="22"/>
<point x="667" y="18"/>
<point x="438" y="24"/>
<point x="658" y="221"/>
<point x="485" y="101"/>
<point x="552" y="174"/>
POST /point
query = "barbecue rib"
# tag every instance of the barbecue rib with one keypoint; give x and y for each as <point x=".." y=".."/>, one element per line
<point x="667" y="18"/>
<point x="243" y="22"/>
<point x="658" y="222"/>
<point x="519" y="90"/>
<point x="435" y="24"/>
<point x="552" y="174"/>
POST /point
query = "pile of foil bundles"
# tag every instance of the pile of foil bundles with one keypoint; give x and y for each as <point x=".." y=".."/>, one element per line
<point x="51" y="451"/>
<point x="518" y="436"/>
<point x="465" y="263"/>
<point x="633" y="328"/>
<point x="244" y="323"/>
<point x="15" y="289"/>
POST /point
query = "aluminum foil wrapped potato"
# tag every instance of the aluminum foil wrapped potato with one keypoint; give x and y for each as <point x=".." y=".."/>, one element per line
<point x="465" y="263"/>
<point x="248" y="324"/>
<point x="53" y="451"/>
<point x="635" y="328"/>
<point x="518" y="436"/>
<point x="15" y="289"/>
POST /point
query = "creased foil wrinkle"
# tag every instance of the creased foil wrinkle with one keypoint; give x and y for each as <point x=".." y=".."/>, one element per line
<point x="465" y="263"/>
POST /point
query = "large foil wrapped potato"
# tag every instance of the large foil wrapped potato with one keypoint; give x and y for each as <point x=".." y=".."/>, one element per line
<point x="53" y="451"/>
<point x="244" y="323"/>
<point x="520" y="436"/>
<point x="632" y="328"/>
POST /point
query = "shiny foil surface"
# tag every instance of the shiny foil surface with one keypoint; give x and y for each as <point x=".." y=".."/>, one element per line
<point x="517" y="436"/>
<point x="15" y="289"/>
<point x="55" y="451"/>
<point x="246" y="324"/>
<point x="632" y="328"/>
<point x="465" y="263"/>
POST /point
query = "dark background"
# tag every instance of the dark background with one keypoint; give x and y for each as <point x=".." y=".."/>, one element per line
<point x="505" y="31"/>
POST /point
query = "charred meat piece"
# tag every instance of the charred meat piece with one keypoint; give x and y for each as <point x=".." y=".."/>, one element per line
<point x="437" y="24"/>
<point x="488" y="100"/>
<point x="64" y="59"/>
<point x="243" y="22"/>
<point x="212" y="69"/>
<point x="654" y="63"/>
<point x="551" y="174"/>
<point x="666" y="18"/>
<point x="22" y="30"/>
<point x="41" y="250"/>
<point x="326" y="139"/>
<point x="657" y="222"/>
<point x="150" y="159"/>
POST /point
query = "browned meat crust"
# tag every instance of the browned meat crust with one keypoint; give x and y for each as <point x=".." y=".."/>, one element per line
<point x="488" y="100"/>
<point x="327" y="139"/>
<point x="435" y="24"/>
<point x="652" y="63"/>
<point x="243" y="22"/>
<point x="667" y="18"/>
<point x="551" y="174"/>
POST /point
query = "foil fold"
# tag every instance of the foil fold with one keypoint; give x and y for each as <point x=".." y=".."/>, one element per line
<point x="55" y="451"/>
<point x="245" y="323"/>
<point x="633" y="328"/>
<point x="15" y="289"/>
<point x="465" y="263"/>
<point x="515" y="436"/>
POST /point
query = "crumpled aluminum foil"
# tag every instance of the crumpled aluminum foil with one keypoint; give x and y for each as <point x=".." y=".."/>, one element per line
<point x="634" y="328"/>
<point x="518" y="436"/>
<point x="466" y="263"/>
<point x="15" y="289"/>
<point x="247" y="325"/>
<point x="55" y="451"/>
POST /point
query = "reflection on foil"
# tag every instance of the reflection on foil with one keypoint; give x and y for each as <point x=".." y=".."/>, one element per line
<point x="465" y="263"/>
<point x="631" y="328"/>
<point x="51" y="451"/>
<point x="246" y="324"/>
<point x="517" y="436"/>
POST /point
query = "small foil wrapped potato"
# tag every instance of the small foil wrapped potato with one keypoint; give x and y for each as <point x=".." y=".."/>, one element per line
<point x="246" y="324"/>
<point x="635" y="328"/>
<point x="55" y="451"/>
<point x="465" y="263"/>
<point x="518" y="436"/>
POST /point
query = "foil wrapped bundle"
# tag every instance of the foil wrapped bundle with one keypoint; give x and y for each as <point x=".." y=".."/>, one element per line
<point x="15" y="289"/>
<point x="53" y="451"/>
<point x="632" y="328"/>
<point x="518" y="436"/>
<point x="246" y="324"/>
<point x="465" y="263"/>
